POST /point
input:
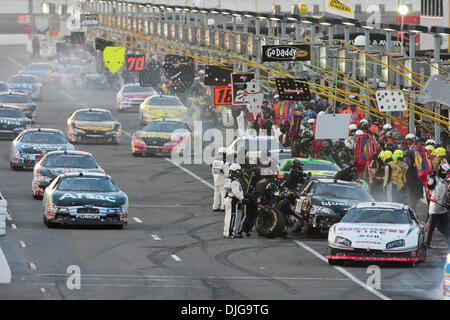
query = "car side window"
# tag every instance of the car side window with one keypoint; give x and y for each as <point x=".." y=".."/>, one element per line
<point x="413" y="216"/>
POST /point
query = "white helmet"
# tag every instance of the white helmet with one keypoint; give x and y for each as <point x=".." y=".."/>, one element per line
<point x="222" y="150"/>
<point x="353" y="127"/>
<point x="235" y="167"/>
<point x="387" y="126"/>
<point x="321" y="112"/>
<point x="358" y="132"/>
<point x="410" y="136"/>
<point x="311" y="121"/>
<point x="364" y="120"/>
<point x="430" y="141"/>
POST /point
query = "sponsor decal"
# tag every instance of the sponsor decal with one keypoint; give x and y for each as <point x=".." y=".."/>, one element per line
<point x="340" y="6"/>
<point x="329" y="203"/>
<point x="87" y="196"/>
<point x="286" y="53"/>
<point x="375" y="230"/>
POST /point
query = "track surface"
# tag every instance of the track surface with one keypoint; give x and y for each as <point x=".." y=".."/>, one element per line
<point x="174" y="248"/>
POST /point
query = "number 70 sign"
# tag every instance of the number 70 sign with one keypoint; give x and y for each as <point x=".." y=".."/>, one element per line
<point x="135" y="62"/>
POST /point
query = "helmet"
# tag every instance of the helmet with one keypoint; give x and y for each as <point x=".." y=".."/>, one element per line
<point x="381" y="155"/>
<point x="363" y="121"/>
<point x="297" y="164"/>
<point x="359" y="132"/>
<point x="267" y="124"/>
<point x="410" y="136"/>
<point x="390" y="146"/>
<point x="387" y="155"/>
<point x="321" y="112"/>
<point x="271" y="187"/>
<point x="311" y="121"/>
<point x="430" y="142"/>
<point x="430" y="148"/>
<point x="364" y="124"/>
<point x="352" y="127"/>
<point x="398" y="154"/>
<point x="440" y="152"/>
<point x="222" y="150"/>
<point x="443" y="170"/>
<point x="235" y="168"/>
<point x="387" y="126"/>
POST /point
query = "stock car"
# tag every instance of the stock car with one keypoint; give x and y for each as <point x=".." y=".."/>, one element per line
<point x="381" y="231"/>
<point x="161" y="107"/>
<point x="93" y="125"/>
<point x="26" y="84"/>
<point x="32" y="144"/>
<point x="131" y="95"/>
<point x="92" y="79"/>
<point x="21" y="100"/>
<point x="12" y="121"/>
<point x="39" y="70"/>
<point x="324" y="202"/>
<point x="65" y="76"/>
<point x="58" y="162"/>
<point x="84" y="198"/>
<point x="159" y="137"/>
<point x="315" y="166"/>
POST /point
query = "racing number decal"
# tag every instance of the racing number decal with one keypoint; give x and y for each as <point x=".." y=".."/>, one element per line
<point x="222" y="96"/>
<point x="135" y="62"/>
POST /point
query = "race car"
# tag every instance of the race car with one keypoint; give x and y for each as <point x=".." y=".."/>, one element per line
<point x="160" y="137"/>
<point x="3" y="87"/>
<point x="324" y="202"/>
<point x="65" y="76"/>
<point x="315" y="166"/>
<point x="93" y="79"/>
<point x="12" y="121"/>
<point x="84" y="198"/>
<point x="93" y="125"/>
<point x="380" y="231"/>
<point x="161" y="107"/>
<point x="31" y="145"/>
<point x="21" y="100"/>
<point x="58" y="162"/>
<point x="447" y="279"/>
<point x="39" y="70"/>
<point x="26" y="84"/>
<point x="130" y="96"/>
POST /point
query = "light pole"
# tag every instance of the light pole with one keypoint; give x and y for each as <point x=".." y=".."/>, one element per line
<point x="403" y="11"/>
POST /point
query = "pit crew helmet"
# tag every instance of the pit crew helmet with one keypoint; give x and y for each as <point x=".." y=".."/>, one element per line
<point x="387" y="126"/>
<point x="440" y="152"/>
<point x="235" y="168"/>
<point x="430" y="142"/>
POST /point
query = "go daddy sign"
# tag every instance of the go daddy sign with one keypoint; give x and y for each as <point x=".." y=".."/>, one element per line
<point x="300" y="52"/>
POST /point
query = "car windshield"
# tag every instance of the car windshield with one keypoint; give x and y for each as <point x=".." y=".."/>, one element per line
<point x="377" y="215"/>
<point x="43" y="138"/>
<point x="87" y="184"/>
<point x="164" y="126"/>
<point x="10" y="113"/>
<point x="343" y="191"/>
<point x="14" y="98"/>
<point x="20" y="79"/>
<point x="93" y="116"/>
<point x="314" y="166"/>
<point x="164" y="101"/>
<point x="37" y="67"/>
<point x="259" y="144"/>
<point x="83" y="161"/>
<point x="137" y="89"/>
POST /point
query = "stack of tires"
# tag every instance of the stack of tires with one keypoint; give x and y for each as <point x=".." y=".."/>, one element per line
<point x="270" y="223"/>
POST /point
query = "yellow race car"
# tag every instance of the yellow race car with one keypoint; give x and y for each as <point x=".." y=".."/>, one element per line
<point x="93" y="125"/>
<point x="161" y="107"/>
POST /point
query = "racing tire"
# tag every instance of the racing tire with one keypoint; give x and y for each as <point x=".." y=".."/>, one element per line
<point x="136" y="154"/>
<point x="118" y="227"/>
<point x="270" y="223"/>
<point x="335" y="262"/>
<point x="14" y="167"/>
<point x="37" y="197"/>
<point x="48" y="223"/>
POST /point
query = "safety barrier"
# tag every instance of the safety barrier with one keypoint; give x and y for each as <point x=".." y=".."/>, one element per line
<point x="3" y="210"/>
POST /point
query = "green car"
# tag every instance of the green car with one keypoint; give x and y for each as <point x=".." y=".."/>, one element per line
<point x="318" y="168"/>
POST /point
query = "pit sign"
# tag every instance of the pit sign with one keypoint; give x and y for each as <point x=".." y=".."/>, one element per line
<point x="222" y="96"/>
<point x="23" y="19"/>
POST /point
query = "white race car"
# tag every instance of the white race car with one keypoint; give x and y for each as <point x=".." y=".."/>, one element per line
<point x="380" y="231"/>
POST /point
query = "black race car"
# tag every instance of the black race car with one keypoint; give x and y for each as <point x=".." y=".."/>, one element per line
<point x="84" y="199"/>
<point x="12" y="121"/>
<point x="324" y="202"/>
<point x="20" y="99"/>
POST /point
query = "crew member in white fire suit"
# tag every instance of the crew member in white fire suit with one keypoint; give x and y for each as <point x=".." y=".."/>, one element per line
<point x="220" y="173"/>
<point x="233" y="195"/>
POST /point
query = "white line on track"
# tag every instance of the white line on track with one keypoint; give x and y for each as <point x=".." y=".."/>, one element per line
<point x="155" y="237"/>
<point x="16" y="63"/>
<point x="175" y="257"/>
<point x="5" y="272"/>
<point x="309" y="249"/>
<point x="32" y="265"/>
<point x="343" y="271"/>
<point x="22" y="244"/>
<point x="137" y="220"/>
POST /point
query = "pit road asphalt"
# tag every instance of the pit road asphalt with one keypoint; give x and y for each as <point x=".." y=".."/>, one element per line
<point x="172" y="247"/>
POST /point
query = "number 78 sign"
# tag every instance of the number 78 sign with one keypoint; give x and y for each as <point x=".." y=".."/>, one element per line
<point x="222" y="96"/>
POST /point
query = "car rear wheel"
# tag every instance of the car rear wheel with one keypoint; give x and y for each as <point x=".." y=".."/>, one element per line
<point x="137" y="154"/>
<point x="270" y="223"/>
<point x="335" y="262"/>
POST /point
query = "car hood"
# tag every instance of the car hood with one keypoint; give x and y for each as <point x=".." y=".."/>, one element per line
<point x="371" y="235"/>
<point x="163" y="135"/>
<point x="21" y="85"/>
<point x="102" y="199"/>
<point x="338" y="205"/>
<point x="95" y="125"/>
